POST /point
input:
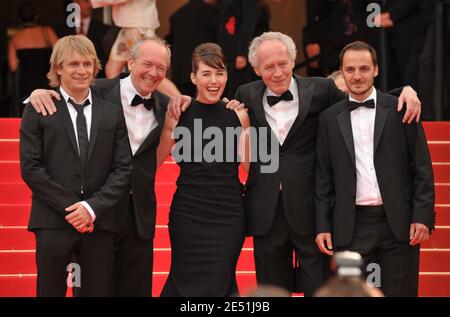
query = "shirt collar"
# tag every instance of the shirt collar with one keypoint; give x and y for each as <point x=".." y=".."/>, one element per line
<point x="373" y="95"/>
<point x="131" y="90"/>
<point x="66" y="96"/>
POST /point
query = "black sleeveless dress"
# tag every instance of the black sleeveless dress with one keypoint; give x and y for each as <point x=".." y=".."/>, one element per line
<point x="33" y="69"/>
<point x="206" y="221"/>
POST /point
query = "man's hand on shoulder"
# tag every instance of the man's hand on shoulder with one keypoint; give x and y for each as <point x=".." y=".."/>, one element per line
<point x="234" y="105"/>
<point x="177" y="105"/>
<point x="41" y="100"/>
<point x="413" y="105"/>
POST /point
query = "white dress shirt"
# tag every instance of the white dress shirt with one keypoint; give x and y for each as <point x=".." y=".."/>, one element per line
<point x="363" y="127"/>
<point x="87" y="110"/>
<point x="140" y="121"/>
<point x="282" y="115"/>
<point x="132" y="13"/>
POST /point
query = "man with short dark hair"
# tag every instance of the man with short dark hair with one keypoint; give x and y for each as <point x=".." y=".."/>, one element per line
<point x="374" y="178"/>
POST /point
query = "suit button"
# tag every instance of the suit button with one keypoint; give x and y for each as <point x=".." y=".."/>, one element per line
<point x="282" y="154"/>
<point x="131" y="192"/>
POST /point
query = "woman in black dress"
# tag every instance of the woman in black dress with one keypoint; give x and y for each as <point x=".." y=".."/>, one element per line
<point x="206" y="222"/>
<point x="29" y="52"/>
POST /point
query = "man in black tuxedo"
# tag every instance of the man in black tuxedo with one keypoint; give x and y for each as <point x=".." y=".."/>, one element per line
<point x="77" y="165"/>
<point x="280" y="205"/>
<point x="374" y="178"/>
<point x="144" y="109"/>
<point x="144" y="114"/>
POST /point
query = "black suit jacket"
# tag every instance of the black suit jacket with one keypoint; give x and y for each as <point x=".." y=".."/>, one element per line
<point x="143" y="162"/>
<point x="403" y="168"/>
<point x="50" y="165"/>
<point x="296" y="158"/>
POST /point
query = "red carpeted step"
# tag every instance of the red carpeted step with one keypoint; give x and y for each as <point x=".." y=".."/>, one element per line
<point x="434" y="285"/>
<point x="14" y="193"/>
<point x="437" y="131"/>
<point x="13" y="286"/>
<point x="440" y="239"/>
<point x="17" y="262"/>
<point x="167" y="172"/>
<point x="9" y="128"/>
<point x="440" y="152"/>
<point x="162" y="214"/>
<point x="435" y="260"/>
<point x="442" y="194"/>
<point x="16" y="239"/>
<point x="441" y="172"/>
<point x="14" y="215"/>
<point x="442" y="215"/>
<point x="164" y="193"/>
<point x="10" y="171"/>
<point x="9" y="150"/>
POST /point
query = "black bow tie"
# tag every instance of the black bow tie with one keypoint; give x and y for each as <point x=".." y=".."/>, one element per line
<point x="352" y="105"/>
<point x="273" y="100"/>
<point x="148" y="103"/>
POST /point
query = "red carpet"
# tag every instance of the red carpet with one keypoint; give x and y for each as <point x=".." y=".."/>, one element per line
<point x="17" y="264"/>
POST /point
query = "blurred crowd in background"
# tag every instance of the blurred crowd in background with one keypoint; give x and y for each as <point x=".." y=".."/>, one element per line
<point x="412" y="40"/>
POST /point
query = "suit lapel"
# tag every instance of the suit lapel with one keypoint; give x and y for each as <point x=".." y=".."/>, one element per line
<point x="68" y="125"/>
<point x="97" y="107"/>
<point x="155" y="133"/>
<point x="305" y="93"/>
<point x="159" y="110"/>
<point x="345" y="125"/>
<point x="257" y="96"/>
<point x="381" y="114"/>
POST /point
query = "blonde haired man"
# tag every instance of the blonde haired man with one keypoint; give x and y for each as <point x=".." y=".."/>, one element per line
<point x="77" y="164"/>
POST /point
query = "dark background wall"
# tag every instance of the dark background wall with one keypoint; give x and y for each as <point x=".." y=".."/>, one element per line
<point x="288" y="16"/>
